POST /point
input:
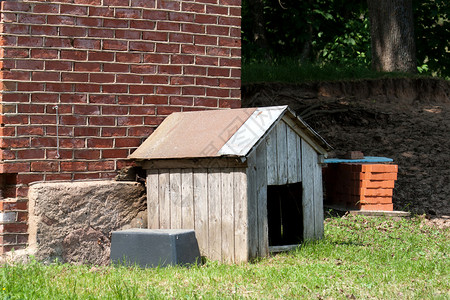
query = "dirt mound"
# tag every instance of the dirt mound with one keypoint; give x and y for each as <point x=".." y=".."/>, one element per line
<point x="407" y="120"/>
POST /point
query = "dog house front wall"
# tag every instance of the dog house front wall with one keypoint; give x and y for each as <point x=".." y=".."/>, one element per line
<point x="225" y="201"/>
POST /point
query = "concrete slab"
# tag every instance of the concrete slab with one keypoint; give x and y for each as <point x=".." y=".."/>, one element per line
<point x="370" y="213"/>
<point x="154" y="247"/>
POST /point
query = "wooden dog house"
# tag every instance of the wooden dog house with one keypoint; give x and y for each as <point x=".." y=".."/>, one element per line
<point x="244" y="179"/>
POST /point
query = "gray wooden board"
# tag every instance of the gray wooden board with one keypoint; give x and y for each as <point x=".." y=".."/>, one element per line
<point x="299" y="158"/>
<point x="271" y="143"/>
<point x="292" y="158"/>
<point x="153" y="199"/>
<point x="252" y="212"/>
<point x="214" y="214"/>
<point x="308" y="190"/>
<point x="261" y="198"/>
<point x="281" y="153"/>
<point x="187" y="199"/>
<point x="201" y="209"/>
<point x="164" y="199"/>
<point x="241" y="252"/>
<point x="228" y="231"/>
<point x="318" y="198"/>
<point x="175" y="198"/>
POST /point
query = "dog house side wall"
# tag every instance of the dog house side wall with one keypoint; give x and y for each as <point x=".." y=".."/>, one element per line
<point x="212" y="201"/>
<point x="283" y="157"/>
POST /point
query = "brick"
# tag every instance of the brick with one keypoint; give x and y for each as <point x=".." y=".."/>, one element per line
<point x="127" y="142"/>
<point x="127" y="34"/>
<point x="86" y="131"/>
<point x="229" y="103"/>
<point x="128" y="57"/>
<point x="143" y="3"/>
<point x="101" y="11"/>
<point x="92" y="22"/>
<point x="115" y="45"/>
<point x="73" y="98"/>
<point x="8" y="217"/>
<point x="28" y="178"/>
<point x="83" y="176"/>
<point x="102" y="99"/>
<point x="59" y="87"/>
<point x="140" y="131"/>
<point x="209" y="102"/>
<point x="115" y="88"/>
<point x="143" y="46"/>
<point x="181" y="80"/>
<point x="75" y="77"/>
<point x="193" y="90"/>
<point x="168" y="26"/>
<point x="87" y="154"/>
<point x="14" y="167"/>
<point x="380" y="168"/>
<point x="15" y="53"/>
<point x="45" y="76"/>
<point x="129" y="120"/>
<point x="222" y="72"/>
<point x="113" y="131"/>
<point x="116" y="68"/>
<point x="77" y="10"/>
<point x="102" y="121"/>
<point x="207" y="81"/>
<point x="46" y="8"/>
<point x="31" y="19"/>
<point x="44" y="166"/>
<point x="168" y="5"/>
<point x="73" y="54"/>
<point x="169" y="69"/>
<point x="160" y="36"/>
<point x="177" y="100"/>
<point x="60" y="20"/>
<point x="101" y="78"/>
<point x="193" y="7"/>
<point x="87" y="66"/>
<point x="13" y="205"/>
<point x="141" y="89"/>
<point x="16" y="6"/>
<point x="59" y="176"/>
<point x="182" y="59"/>
<point x="87" y="43"/>
<point x="383" y="207"/>
<point x="44" y="53"/>
<point x="58" y="65"/>
<point x="15" y="142"/>
<point x="115" y="23"/>
<point x="181" y="16"/>
<point x="155" y="15"/>
<point x="142" y="110"/>
<point x="128" y="13"/>
<point x="143" y="69"/>
<point x="73" y="166"/>
<point x="72" y="31"/>
<point x="230" y="62"/>
<point x="194" y="70"/>
<point x="30" y="154"/>
<point x="127" y="100"/>
<point x="376" y="176"/>
<point x="168" y="90"/>
<point x="167" y="110"/>
<point x="101" y="166"/>
<point x="114" y="153"/>
<point x="16" y="29"/>
<point x="143" y="24"/>
<point x="103" y="33"/>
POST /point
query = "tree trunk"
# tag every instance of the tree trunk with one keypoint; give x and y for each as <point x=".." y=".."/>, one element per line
<point x="259" y="31"/>
<point x="392" y="35"/>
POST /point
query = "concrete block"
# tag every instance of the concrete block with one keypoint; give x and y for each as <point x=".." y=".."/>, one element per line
<point x="154" y="247"/>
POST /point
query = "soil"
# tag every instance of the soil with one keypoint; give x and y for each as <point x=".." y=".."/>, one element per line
<point x="405" y="119"/>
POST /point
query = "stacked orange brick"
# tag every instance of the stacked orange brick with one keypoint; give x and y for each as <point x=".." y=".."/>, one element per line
<point x="360" y="186"/>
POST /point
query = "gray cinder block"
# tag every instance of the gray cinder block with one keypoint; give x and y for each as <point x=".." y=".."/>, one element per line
<point x="154" y="247"/>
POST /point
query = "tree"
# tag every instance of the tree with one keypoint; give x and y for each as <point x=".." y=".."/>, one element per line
<point x="392" y="35"/>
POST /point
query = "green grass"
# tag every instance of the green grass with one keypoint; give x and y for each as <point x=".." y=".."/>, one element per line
<point x="291" y="71"/>
<point x="359" y="257"/>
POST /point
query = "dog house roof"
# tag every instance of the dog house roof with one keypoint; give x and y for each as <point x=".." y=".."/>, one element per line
<point x="216" y="133"/>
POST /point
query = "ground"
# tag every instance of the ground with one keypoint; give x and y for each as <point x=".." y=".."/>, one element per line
<point x="407" y="120"/>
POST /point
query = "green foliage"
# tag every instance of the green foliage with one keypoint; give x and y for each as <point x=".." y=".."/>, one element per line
<point x="360" y="257"/>
<point x="432" y="29"/>
<point x="337" y="32"/>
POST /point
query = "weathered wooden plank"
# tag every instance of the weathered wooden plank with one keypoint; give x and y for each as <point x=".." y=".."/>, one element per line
<point x="318" y="199"/>
<point x="292" y="159"/>
<point x="214" y="214"/>
<point x="227" y="195"/>
<point x="261" y="198"/>
<point x="308" y="190"/>
<point x="164" y="199"/>
<point x="271" y="142"/>
<point x="252" y="212"/>
<point x="193" y="163"/>
<point x="241" y="246"/>
<point x="187" y="199"/>
<point x="201" y="209"/>
<point x="299" y="158"/>
<point x="281" y="153"/>
<point x="153" y="199"/>
<point x="175" y="198"/>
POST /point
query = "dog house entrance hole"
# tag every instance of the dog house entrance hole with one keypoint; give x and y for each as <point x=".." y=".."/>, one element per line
<point x="285" y="214"/>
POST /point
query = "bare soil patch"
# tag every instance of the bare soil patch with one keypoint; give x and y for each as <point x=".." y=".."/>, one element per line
<point x="407" y="120"/>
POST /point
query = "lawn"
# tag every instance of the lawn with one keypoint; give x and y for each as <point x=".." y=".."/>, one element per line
<point x="360" y="257"/>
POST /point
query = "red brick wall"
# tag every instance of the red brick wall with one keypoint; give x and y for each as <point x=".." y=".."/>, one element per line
<point x="114" y="69"/>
